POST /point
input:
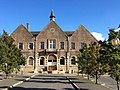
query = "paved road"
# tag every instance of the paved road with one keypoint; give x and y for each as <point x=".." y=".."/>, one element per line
<point x="84" y="84"/>
<point x="5" y="83"/>
<point x="109" y="82"/>
<point x="45" y="82"/>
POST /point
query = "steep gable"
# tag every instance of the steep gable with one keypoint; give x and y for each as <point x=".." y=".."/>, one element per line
<point x="22" y="34"/>
<point x="52" y="30"/>
<point x="83" y="35"/>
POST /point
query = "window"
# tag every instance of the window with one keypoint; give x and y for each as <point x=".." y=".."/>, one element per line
<point x="30" y="60"/>
<point x="30" y="45"/>
<point x="54" y="60"/>
<point x="52" y="44"/>
<point x="82" y="44"/>
<point x="72" y="45"/>
<point x="42" y="61"/>
<point x="73" y="61"/>
<point x="62" y="61"/>
<point x="61" y="45"/>
<point x="52" y="29"/>
<point x="41" y="45"/>
<point x="49" y="60"/>
<point x="20" y="46"/>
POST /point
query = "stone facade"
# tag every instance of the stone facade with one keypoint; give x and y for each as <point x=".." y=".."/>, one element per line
<point x="51" y="49"/>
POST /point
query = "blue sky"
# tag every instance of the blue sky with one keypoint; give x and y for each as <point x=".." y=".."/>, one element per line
<point x="96" y="15"/>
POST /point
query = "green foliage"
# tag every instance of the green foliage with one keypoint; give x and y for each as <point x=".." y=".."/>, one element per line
<point x="10" y="57"/>
<point x="102" y="57"/>
<point x="84" y="61"/>
<point x="112" y="34"/>
<point x="90" y="61"/>
<point x="111" y="55"/>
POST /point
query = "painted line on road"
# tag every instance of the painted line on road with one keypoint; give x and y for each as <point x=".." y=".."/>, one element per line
<point x="32" y="76"/>
<point x="5" y="89"/>
<point x="19" y="82"/>
<point x="73" y="84"/>
<point x="22" y="81"/>
<point x="27" y="79"/>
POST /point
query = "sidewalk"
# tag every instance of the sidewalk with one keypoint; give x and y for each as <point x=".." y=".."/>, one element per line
<point x="15" y="80"/>
<point x="84" y="84"/>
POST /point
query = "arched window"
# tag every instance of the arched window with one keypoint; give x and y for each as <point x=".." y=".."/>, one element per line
<point x="62" y="61"/>
<point x="42" y="61"/>
<point x="73" y="61"/>
<point x="30" y="60"/>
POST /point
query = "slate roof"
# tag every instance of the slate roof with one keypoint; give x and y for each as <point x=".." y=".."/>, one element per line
<point x="68" y="33"/>
<point x="35" y="33"/>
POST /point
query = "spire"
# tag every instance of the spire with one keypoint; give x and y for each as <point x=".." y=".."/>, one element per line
<point x="52" y="16"/>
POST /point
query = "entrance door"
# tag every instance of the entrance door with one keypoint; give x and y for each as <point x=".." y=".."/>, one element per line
<point x="52" y="63"/>
<point x="51" y="68"/>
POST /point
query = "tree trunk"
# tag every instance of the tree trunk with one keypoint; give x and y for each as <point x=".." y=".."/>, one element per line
<point x="6" y="76"/>
<point x="96" y="78"/>
<point x="117" y="85"/>
<point x="88" y="77"/>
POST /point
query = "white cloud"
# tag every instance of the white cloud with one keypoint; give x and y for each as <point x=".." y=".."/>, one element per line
<point x="98" y="36"/>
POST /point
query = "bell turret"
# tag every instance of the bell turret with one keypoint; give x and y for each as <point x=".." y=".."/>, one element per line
<point x="52" y="16"/>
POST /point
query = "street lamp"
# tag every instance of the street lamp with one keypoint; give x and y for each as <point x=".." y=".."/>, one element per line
<point x="116" y="41"/>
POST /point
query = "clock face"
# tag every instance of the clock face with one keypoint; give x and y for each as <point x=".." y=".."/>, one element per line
<point x="52" y="29"/>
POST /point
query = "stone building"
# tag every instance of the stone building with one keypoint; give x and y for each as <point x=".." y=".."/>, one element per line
<point x="51" y="50"/>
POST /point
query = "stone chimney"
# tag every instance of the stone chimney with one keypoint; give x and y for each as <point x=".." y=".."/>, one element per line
<point x="28" y="26"/>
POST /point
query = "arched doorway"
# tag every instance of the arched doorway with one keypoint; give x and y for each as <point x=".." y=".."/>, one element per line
<point x="52" y="63"/>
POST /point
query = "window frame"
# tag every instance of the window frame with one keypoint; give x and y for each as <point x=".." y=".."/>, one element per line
<point x="29" y="61"/>
<point x="72" y="45"/>
<point x="42" y="45"/>
<point x="29" y="46"/>
<point x="52" y="44"/>
<point x="42" y="58"/>
<point x="73" y="62"/>
<point x="22" y="45"/>
<point x="62" y="45"/>
<point x="82" y="44"/>
<point x="62" y="58"/>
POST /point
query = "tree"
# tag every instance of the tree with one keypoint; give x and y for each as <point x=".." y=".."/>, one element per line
<point x="85" y="61"/>
<point x="10" y="56"/>
<point x="98" y="66"/>
<point x="90" y="61"/>
<point x="111" y="51"/>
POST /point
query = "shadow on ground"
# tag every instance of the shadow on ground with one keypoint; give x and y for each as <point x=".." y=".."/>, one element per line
<point x="21" y="88"/>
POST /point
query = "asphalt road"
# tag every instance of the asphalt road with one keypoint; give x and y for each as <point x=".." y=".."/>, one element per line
<point x="109" y="82"/>
<point x="45" y="82"/>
